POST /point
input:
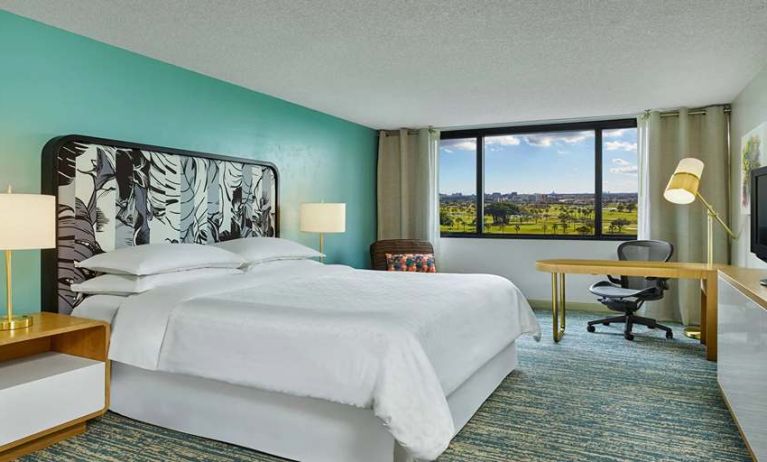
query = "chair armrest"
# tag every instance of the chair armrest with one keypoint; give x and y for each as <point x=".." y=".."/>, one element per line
<point x="614" y="280"/>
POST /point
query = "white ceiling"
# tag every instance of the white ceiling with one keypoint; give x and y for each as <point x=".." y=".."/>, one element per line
<point x="414" y="63"/>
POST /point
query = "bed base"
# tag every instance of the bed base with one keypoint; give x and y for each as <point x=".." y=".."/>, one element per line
<point x="297" y="428"/>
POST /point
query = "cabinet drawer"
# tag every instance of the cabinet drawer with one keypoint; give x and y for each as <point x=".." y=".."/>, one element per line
<point x="46" y="390"/>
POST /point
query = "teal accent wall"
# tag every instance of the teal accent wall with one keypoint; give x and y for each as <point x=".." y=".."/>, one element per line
<point x="54" y="83"/>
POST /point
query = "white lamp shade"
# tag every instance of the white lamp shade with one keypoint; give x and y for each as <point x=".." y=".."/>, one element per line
<point x="683" y="186"/>
<point x="690" y="165"/>
<point x="27" y="221"/>
<point x="323" y="218"/>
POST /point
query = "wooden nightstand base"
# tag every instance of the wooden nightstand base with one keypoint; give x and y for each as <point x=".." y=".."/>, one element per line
<point x="45" y="439"/>
<point x="55" y="374"/>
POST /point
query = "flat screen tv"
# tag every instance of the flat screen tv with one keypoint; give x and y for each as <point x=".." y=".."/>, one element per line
<point x="759" y="212"/>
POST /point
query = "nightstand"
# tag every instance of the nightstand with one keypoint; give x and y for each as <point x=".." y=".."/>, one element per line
<point x="54" y="377"/>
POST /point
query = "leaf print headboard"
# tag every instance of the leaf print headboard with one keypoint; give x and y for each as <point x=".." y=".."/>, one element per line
<point x="114" y="194"/>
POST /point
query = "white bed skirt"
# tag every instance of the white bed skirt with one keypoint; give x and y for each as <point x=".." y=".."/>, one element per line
<point x="298" y="428"/>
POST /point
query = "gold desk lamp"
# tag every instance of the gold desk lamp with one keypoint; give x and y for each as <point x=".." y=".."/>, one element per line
<point x="323" y="218"/>
<point x="682" y="189"/>
<point x="28" y="222"/>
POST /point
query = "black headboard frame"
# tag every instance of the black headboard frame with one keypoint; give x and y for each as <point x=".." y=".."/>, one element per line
<point x="113" y="194"/>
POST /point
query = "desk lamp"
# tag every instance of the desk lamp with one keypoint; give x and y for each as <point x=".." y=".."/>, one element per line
<point x="28" y="222"/>
<point x="323" y="218"/>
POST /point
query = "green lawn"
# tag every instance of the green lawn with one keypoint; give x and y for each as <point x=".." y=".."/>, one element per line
<point x="554" y="219"/>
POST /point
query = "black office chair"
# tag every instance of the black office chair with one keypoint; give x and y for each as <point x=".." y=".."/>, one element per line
<point x="628" y="294"/>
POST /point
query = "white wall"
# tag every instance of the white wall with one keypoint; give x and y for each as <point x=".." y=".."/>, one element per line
<point x="749" y="109"/>
<point x="515" y="260"/>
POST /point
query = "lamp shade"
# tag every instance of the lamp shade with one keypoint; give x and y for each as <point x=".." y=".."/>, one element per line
<point x="323" y="218"/>
<point x="27" y="221"/>
<point x="683" y="186"/>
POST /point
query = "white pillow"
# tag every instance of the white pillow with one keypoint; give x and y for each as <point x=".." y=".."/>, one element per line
<point x="263" y="249"/>
<point x="128" y="284"/>
<point x="146" y="259"/>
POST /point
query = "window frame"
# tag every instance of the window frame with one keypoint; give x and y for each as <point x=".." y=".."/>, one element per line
<point x="479" y="137"/>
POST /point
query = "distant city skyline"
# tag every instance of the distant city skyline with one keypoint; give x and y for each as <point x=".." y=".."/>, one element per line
<point x="518" y="163"/>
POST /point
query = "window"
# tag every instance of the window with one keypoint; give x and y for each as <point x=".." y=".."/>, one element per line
<point x="458" y="185"/>
<point x="567" y="181"/>
<point x="619" y="181"/>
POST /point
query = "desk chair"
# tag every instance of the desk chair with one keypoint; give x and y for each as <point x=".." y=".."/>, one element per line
<point x="628" y="294"/>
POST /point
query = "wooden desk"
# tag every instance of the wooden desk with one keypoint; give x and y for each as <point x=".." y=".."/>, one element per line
<point x="673" y="270"/>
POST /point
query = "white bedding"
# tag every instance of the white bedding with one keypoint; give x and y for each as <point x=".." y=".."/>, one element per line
<point x="100" y="307"/>
<point x="393" y="342"/>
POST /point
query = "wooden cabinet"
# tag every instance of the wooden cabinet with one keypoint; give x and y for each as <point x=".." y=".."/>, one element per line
<point x="54" y="377"/>
<point x="742" y="366"/>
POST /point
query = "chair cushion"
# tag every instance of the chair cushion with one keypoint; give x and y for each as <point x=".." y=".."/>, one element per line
<point x="412" y="262"/>
<point x="612" y="291"/>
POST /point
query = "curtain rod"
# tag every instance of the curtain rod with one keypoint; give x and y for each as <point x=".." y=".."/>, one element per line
<point x="410" y="131"/>
<point x="694" y="111"/>
<point x="674" y="113"/>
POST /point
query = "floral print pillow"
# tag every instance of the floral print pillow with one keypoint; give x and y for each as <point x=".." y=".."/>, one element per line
<point x="412" y="262"/>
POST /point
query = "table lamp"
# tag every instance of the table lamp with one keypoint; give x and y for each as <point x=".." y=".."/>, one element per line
<point x="28" y="222"/>
<point x="323" y="218"/>
<point x="682" y="189"/>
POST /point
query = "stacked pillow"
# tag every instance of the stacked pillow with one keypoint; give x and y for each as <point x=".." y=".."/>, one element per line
<point x="132" y="270"/>
<point x="256" y="250"/>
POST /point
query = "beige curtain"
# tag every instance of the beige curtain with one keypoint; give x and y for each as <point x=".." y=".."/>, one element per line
<point x="663" y="141"/>
<point x="408" y="198"/>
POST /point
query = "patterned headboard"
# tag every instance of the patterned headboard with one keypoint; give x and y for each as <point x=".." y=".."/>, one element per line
<point x="114" y="194"/>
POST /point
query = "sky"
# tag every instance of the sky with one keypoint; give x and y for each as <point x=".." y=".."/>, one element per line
<point x="541" y="163"/>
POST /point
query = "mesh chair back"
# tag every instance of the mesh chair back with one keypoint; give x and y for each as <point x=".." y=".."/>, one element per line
<point x="644" y="251"/>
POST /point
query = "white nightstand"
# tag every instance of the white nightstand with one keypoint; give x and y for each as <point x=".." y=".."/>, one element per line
<point x="54" y="377"/>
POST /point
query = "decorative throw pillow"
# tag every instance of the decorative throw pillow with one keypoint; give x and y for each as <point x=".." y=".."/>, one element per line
<point x="413" y="262"/>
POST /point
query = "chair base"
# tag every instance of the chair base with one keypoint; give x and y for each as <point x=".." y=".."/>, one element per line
<point x="630" y="319"/>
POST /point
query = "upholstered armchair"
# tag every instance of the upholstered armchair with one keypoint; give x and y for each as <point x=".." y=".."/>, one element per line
<point x="379" y="249"/>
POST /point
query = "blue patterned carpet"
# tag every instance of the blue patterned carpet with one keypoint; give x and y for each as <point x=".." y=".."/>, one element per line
<point x="593" y="397"/>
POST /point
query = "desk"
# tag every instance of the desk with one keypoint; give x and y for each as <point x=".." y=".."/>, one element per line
<point x="673" y="270"/>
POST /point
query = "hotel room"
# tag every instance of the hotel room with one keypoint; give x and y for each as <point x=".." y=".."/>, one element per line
<point x="383" y="231"/>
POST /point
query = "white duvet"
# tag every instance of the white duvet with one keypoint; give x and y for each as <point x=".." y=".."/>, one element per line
<point x="394" y="342"/>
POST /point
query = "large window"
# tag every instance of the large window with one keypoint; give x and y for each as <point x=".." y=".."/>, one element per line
<point x="567" y="181"/>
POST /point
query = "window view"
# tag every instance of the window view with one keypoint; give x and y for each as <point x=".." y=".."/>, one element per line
<point x="620" y="184"/>
<point x="458" y="185"/>
<point x="541" y="183"/>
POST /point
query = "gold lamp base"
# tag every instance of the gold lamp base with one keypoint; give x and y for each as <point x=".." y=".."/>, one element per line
<point x="692" y="332"/>
<point x="16" y="322"/>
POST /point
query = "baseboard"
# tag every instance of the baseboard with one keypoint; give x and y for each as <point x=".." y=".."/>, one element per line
<point x="571" y="306"/>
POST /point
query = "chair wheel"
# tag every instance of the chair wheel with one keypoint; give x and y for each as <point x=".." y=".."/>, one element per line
<point x="669" y="335"/>
<point x="629" y="336"/>
<point x="605" y="323"/>
<point x="590" y="328"/>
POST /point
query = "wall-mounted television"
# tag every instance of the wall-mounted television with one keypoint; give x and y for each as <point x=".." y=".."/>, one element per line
<point x="759" y="212"/>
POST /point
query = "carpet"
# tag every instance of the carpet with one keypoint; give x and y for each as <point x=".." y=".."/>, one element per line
<point x="592" y="397"/>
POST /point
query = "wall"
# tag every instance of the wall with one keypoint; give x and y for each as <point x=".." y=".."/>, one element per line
<point x="53" y="83"/>
<point x="515" y="260"/>
<point x="749" y="109"/>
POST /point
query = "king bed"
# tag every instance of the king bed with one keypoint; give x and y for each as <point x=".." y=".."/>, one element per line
<point x="290" y="357"/>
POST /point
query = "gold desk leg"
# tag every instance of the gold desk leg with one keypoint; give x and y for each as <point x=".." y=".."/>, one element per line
<point x="558" y="305"/>
<point x="562" y="303"/>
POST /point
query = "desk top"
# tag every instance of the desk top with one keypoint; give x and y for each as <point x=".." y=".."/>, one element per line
<point x="747" y="281"/>
<point x="676" y="270"/>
